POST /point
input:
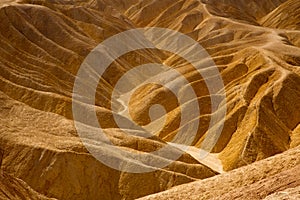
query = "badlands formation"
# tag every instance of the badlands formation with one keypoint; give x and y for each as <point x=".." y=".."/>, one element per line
<point x="256" y="48"/>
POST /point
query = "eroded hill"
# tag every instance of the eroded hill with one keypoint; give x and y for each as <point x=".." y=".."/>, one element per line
<point x="43" y="43"/>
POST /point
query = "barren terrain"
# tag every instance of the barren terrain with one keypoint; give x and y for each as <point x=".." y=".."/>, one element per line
<point x="256" y="48"/>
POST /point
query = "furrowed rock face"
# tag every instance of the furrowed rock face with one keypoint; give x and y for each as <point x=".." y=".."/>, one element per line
<point x="285" y="16"/>
<point x="255" y="46"/>
<point x="13" y="188"/>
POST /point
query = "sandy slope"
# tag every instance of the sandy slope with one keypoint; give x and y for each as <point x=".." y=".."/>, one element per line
<point x="255" y="181"/>
<point x="13" y="188"/>
<point x="209" y="160"/>
<point x="42" y="46"/>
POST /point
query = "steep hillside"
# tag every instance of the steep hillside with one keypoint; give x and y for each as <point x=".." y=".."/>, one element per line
<point x="12" y="188"/>
<point x="285" y="16"/>
<point x="247" y="11"/>
<point x="258" y="68"/>
<point x="255" y="47"/>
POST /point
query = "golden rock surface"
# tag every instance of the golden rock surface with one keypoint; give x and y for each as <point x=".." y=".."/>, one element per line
<point x="255" y="45"/>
